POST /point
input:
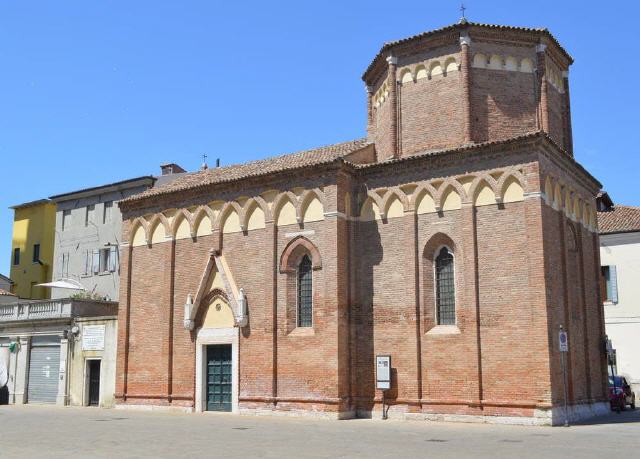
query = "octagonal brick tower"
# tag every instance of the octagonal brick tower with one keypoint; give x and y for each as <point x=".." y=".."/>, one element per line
<point x="467" y="83"/>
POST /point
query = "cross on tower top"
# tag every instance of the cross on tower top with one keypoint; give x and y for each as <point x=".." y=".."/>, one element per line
<point x="462" y="10"/>
<point x="204" y="162"/>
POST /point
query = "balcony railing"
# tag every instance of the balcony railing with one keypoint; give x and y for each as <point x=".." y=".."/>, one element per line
<point x="36" y="310"/>
<point x="63" y="308"/>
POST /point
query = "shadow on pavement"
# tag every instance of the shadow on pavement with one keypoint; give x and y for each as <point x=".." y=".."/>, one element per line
<point x="625" y="417"/>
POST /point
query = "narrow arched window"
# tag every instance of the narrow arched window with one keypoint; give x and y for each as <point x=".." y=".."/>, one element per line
<point x="445" y="288"/>
<point x="305" y="292"/>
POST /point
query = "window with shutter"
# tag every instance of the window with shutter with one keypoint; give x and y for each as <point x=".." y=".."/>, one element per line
<point x="65" y="265"/>
<point x="609" y="284"/>
<point x="613" y="280"/>
<point x="88" y="219"/>
<point x="66" y="219"/>
<point x="36" y="253"/>
<point x="96" y="261"/>
<point x="113" y="257"/>
<point x="106" y="216"/>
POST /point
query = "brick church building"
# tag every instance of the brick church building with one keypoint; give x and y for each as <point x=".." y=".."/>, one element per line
<point x="456" y="237"/>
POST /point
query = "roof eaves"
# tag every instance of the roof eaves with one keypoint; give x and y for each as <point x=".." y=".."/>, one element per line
<point x="358" y="145"/>
<point x="30" y="204"/>
<point x="479" y="146"/>
<point x="202" y="186"/>
<point x="463" y="25"/>
<point x="440" y="152"/>
<point x="69" y="195"/>
<point x="625" y="231"/>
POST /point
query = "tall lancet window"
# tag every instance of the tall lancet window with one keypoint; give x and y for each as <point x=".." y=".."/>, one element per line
<point x="445" y="288"/>
<point x="305" y="292"/>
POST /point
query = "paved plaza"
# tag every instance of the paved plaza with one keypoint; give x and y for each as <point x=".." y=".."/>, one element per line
<point x="55" y="432"/>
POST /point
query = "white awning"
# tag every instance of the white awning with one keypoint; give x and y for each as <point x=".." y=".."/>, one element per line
<point x="69" y="284"/>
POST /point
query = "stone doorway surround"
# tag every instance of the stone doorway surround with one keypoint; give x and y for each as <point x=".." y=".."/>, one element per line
<point x="209" y="336"/>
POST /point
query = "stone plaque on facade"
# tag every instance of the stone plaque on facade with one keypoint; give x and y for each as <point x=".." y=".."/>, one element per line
<point x="93" y="338"/>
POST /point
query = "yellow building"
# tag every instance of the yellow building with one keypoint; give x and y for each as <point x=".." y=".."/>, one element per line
<point x="32" y="248"/>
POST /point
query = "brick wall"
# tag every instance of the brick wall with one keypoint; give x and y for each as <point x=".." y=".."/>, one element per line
<point x="556" y="116"/>
<point x="430" y="113"/>
<point x="503" y="104"/>
<point x="500" y="359"/>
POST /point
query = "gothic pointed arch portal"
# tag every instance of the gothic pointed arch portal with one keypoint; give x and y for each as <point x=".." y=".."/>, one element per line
<point x="218" y="312"/>
<point x="216" y="282"/>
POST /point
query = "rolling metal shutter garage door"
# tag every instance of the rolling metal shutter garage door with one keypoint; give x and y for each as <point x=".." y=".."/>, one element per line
<point x="44" y="366"/>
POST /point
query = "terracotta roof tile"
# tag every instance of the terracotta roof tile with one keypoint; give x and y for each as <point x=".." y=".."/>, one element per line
<point x="5" y="293"/>
<point x="480" y="146"/>
<point x="260" y="167"/>
<point x="621" y="219"/>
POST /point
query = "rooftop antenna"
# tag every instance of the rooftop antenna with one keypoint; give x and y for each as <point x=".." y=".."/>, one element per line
<point x="463" y="19"/>
<point x="204" y="162"/>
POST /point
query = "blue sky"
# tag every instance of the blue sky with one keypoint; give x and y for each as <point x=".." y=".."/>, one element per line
<point x="95" y="92"/>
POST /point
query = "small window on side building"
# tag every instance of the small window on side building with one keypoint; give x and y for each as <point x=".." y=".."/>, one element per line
<point x="609" y="284"/>
<point x="105" y="260"/>
<point x="16" y="256"/>
<point x="36" y="253"/>
<point x="66" y="219"/>
<point x="106" y="216"/>
<point x="89" y="214"/>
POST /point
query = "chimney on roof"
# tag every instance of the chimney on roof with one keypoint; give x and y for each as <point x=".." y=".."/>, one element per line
<point x="217" y="162"/>
<point x="171" y="168"/>
<point x="604" y="203"/>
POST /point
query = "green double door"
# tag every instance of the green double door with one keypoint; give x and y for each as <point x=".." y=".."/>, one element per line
<point x="219" y="377"/>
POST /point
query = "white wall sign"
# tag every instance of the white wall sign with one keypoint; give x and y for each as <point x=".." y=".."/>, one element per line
<point x="564" y="341"/>
<point x="93" y="338"/>
<point x="383" y="372"/>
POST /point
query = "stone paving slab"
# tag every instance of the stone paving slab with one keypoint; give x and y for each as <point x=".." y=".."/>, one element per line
<point x="65" y="432"/>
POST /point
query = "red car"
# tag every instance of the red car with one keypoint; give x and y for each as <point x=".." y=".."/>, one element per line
<point x="620" y="394"/>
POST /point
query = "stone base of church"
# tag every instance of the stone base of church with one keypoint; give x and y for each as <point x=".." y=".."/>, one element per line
<point x="318" y="409"/>
<point x="145" y="407"/>
<point x="579" y="412"/>
<point x="504" y="415"/>
<point x="329" y="415"/>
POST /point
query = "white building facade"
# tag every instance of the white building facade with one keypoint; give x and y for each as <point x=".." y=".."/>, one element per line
<point x="620" y="286"/>
<point x="59" y="351"/>
<point x="88" y="232"/>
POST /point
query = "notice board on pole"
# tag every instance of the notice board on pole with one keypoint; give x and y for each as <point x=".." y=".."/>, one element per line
<point x="383" y="372"/>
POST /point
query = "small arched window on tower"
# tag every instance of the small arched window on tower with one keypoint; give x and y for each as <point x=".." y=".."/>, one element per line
<point x="445" y="288"/>
<point x="305" y="292"/>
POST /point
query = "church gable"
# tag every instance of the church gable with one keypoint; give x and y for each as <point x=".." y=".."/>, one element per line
<point x="216" y="289"/>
